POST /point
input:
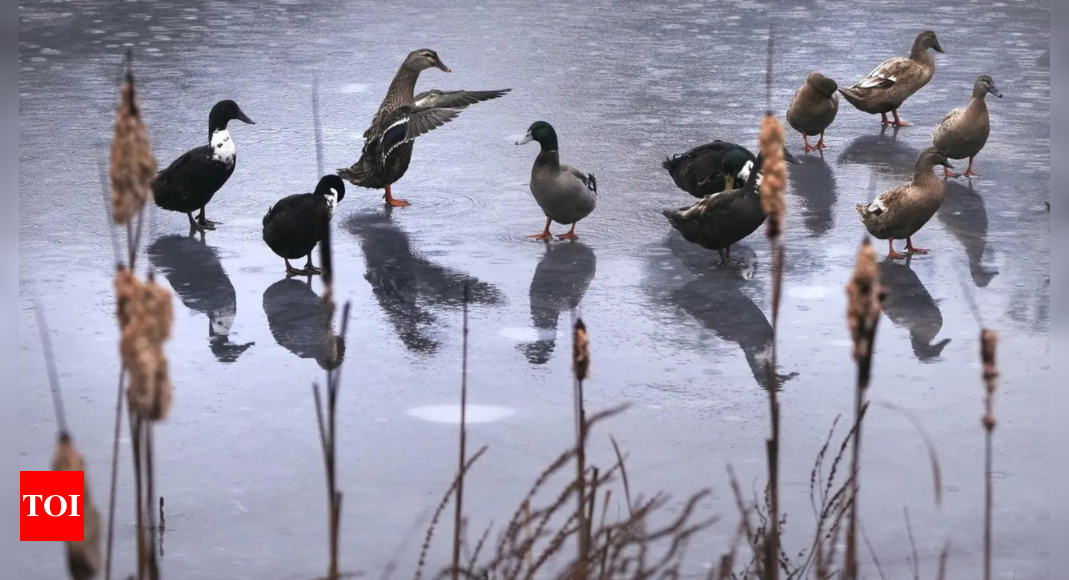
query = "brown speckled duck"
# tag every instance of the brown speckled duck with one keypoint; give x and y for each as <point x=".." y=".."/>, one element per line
<point x="902" y="211"/>
<point x="963" y="132"/>
<point x="814" y="108"/>
<point x="890" y="84"/>
<point x="401" y="118"/>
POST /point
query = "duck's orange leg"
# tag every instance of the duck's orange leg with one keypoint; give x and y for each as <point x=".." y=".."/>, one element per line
<point x="892" y="254"/>
<point x="899" y="122"/>
<point x="969" y="172"/>
<point x="820" y="144"/>
<point x="808" y="147"/>
<point x="948" y="173"/>
<point x="390" y="200"/>
<point x="884" y="120"/>
<point x="912" y="250"/>
<point x="570" y="235"/>
<point x="545" y="235"/>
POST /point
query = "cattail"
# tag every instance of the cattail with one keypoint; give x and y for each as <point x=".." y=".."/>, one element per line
<point x="988" y="345"/>
<point x="773" y="175"/>
<point x="132" y="164"/>
<point x="145" y="316"/>
<point x="83" y="558"/>
<point x="865" y="295"/>
<point x="581" y="351"/>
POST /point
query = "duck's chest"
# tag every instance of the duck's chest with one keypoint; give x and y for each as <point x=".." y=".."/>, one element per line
<point x="223" y="149"/>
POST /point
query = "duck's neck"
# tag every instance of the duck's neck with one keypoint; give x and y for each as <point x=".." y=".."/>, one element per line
<point x="548" y="158"/>
<point x="402" y="89"/>
<point x="978" y="104"/>
<point x="923" y="174"/>
<point x="920" y="53"/>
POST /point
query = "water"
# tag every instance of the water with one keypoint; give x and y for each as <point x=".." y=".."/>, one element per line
<point x="239" y="460"/>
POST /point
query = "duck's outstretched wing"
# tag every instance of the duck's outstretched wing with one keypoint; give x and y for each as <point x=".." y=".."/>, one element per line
<point x="405" y="124"/>
<point x="885" y="75"/>
<point x="454" y="99"/>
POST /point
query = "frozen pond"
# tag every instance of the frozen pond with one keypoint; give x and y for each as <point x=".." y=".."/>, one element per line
<point x="239" y="459"/>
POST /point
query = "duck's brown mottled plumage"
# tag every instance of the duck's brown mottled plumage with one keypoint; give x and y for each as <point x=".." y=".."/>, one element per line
<point x="899" y="213"/>
<point x="890" y="84"/>
<point x="963" y="132"/>
<point x="814" y="107"/>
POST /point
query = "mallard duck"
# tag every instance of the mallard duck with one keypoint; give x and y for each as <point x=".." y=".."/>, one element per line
<point x="963" y="132"/>
<point x="189" y="183"/>
<point x="890" y="84"/>
<point x="901" y="212"/>
<point x="401" y="118"/>
<point x="296" y="223"/>
<point x="565" y="194"/>
<point x="719" y="220"/>
<point x="814" y="108"/>
<point x="714" y="167"/>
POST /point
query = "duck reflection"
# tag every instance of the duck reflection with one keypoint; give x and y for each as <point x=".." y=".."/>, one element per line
<point x="559" y="283"/>
<point x="814" y="182"/>
<point x="194" y="271"/>
<point x="882" y="152"/>
<point x="407" y="286"/>
<point x="964" y="215"/>
<point x="297" y="318"/>
<point x="715" y="298"/>
<point x="909" y="305"/>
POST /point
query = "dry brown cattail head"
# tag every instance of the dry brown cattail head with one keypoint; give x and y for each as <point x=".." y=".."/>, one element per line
<point x="83" y="558"/>
<point x="864" y="299"/>
<point x="132" y="163"/>
<point x="145" y="317"/>
<point x="988" y="347"/>
<point x="773" y="175"/>
<point x="581" y="351"/>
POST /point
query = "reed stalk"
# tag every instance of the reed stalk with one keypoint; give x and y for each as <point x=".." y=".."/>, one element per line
<point x="988" y="348"/>
<point x="459" y="514"/>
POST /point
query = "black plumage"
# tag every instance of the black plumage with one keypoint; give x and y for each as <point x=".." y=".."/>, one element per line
<point x="294" y="225"/>
<point x="719" y="220"/>
<point x="713" y="167"/>
<point x="190" y="182"/>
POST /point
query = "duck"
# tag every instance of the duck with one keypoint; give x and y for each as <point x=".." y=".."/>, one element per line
<point x="813" y="108"/>
<point x="565" y="194"/>
<point x="963" y="132"/>
<point x="895" y="80"/>
<point x="296" y="223"/>
<point x="714" y="167"/>
<point x="721" y="219"/>
<point x="901" y="212"/>
<point x="401" y="118"/>
<point x="190" y="182"/>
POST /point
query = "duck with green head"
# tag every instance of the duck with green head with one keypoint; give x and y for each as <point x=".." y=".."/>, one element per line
<point x="565" y="194"/>
<point x="714" y="167"/>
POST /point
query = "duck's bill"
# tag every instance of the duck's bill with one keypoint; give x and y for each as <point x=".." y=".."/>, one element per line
<point x="244" y="118"/>
<point x="526" y="139"/>
<point x="938" y="48"/>
<point x="791" y="158"/>
<point x="441" y="66"/>
<point x="994" y="91"/>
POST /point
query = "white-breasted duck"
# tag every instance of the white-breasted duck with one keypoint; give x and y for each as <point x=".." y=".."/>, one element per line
<point x="901" y="212"/>
<point x="189" y="183"/>
<point x="401" y="118"/>
<point x="814" y="108"/>
<point x="714" y="167"/>
<point x="721" y="219"/>
<point x="895" y="80"/>
<point x="296" y="223"/>
<point x="565" y="194"/>
<point x="963" y="132"/>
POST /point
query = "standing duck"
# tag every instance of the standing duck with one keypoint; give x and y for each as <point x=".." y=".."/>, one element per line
<point x="890" y="84"/>
<point x="963" y="132"/>
<point x="719" y="220"/>
<point x="565" y="194"/>
<point x="901" y="212"/>
<point x="401" y="118"/>
<point x="189" y="183"/>
<point x="714" y="167"/>
<point x="294" y="225"/>
<point x="814" y="108"/>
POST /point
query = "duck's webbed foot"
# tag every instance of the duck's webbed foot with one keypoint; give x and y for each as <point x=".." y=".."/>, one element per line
<point x="820" y="144"/>
<point x="899" y="122"/>
<point x="912" y="250"/>
<point x="891" y="253"/>
<point x="205" y="222"/>
<point x="392" y="201"/>
<point x="311" y="270"/>
<point x="199" y="223"/>
<point x="969" y="173"/>
<point x="545" y="235"/>
<point x="291" y="271"/>
<point x="568" y="236"/>
<point x="726" y="261"/>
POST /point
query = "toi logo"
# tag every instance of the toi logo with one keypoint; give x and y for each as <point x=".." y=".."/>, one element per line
<point x="51" y="506"/>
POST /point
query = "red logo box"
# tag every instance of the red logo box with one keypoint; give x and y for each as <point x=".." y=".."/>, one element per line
<point x="51" y="506"/>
